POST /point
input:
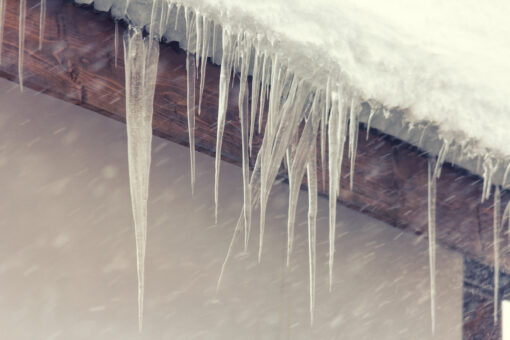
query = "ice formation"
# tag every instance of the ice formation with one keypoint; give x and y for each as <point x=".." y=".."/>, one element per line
<point x="141" y="62"/>
<point x="293" y="110"/>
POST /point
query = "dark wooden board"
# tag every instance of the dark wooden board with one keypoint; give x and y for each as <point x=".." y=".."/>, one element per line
<point x="76" y="64"/>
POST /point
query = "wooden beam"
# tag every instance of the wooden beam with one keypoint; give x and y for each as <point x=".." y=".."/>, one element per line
<point x="76" y="64"/>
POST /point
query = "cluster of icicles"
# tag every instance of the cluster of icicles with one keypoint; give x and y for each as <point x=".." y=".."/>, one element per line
<point x="298" y="114"/>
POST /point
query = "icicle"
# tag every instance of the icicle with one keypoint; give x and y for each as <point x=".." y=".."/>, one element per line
<point x="432" y="239"/>
<point x="324" y="124"/>
<point x="497" y="208"/>
<point x="305" y="147"/>
<point x="505" y="176"/>
<point x="488" y="171"/>
<point x="152" y="25"/>
<point x="178" y="12"/>
<point x="244" y="50"/>
<point x="198" y="39"/>
<point x="42" y="21"/>
<point x="263" y="92"/>
<point x="2" y="22"/>
<point x="254" y="183"/>
<point x="353" y="136"/>
<point x="203" y="59"/>
<point x="21" y="40"/>
<point x="190" y="98"/>
<point x="281" y="127"/>
<point x="369" y="121"/>
<point x="255" y="87"/>
<point x="116" y="41"/>
<point x="226" y="69"/>
<point x="337" y="127"/>
<point x="141" y="70"/>
<point x="163" y="18"/>
<point x="311" y="174"/>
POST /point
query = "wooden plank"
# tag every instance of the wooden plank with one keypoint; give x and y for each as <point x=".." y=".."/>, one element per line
<point x="76" y="64"/>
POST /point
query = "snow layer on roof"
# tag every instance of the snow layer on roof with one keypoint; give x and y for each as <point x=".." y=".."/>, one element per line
<point x="441" y="63"/>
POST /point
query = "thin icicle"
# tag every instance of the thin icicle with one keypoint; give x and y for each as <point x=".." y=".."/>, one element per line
<point x="369" y="121"/>
<point x="177" y="14"/>
<point x="116" y="42"/>
<point x="488" y="171"/>
<point x="263" y="91"/>
<point x="244" y="51"/>
<point x="324" y="123"/>
<point x="21" y="40"/>
<point x="505" y="176"/>
<point x="496" y="239"/>
<point x="305" y="147"/>
<point x="282" y="125"/>
<point x="140" y="71"/>
<point x="254" y="183"/>
<point x="311" y="174"/>
<point x="2" y="22"/>
<point x="255" y="88"/>
<point x="42" y="21"/>
<point x="226" y="69"/>
<point x="337" y="127"/>
<point x="190" y="98"/>
<point x="432" y="239"/>
<point x="198" y="39"/>
<point x="353" y="137"/>
<point x="203" y="59"/>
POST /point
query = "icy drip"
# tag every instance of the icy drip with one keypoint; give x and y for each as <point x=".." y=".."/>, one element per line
<point x="488" y="171"/>
<point x="311" y="174"/>
<point x="337" y="127"/>
<point x="255" y="88"/>
<point x="434" y="172"/>
<point x="226" y="69"/>
<point x="305" y="147"/>
<point x="21" y="40"/>
<point x="283" y="122"/>
<point x="432" y="239"/>
<point x="190" y="96"/>
<point x="353" y="137"/>
<point x="2" y="19"/>
<point x="496" y="239"/>
<point x="141" y="61"/>
<point x="244" y="47"/>
<point x="206" y="36"/>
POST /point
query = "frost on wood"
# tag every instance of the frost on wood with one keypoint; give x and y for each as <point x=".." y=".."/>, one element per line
<point x="141" y="62"/>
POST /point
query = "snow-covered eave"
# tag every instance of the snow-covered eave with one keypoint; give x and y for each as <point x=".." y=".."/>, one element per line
<point x="390" y="181"/>
<point x="308" y="63"/>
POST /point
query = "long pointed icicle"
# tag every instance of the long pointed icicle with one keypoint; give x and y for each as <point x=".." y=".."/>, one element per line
<point x="21" y="40"/>
<point x="353" y="137"/>
<point x="496" y="240"/>
<point x="206" y="36"/>
<point x="141" y="69"/>
<point x="42" y="21"/>
<point x="255" y="87"/>
<point x="432" y="239"/>
<point x="337" y="127"/>
<point x="226" y="69"/>
<point x="244" y="50"/>
<point x="190" y="97"/>
<point x="306" y="145"/>
<point x="311" y="174"/>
